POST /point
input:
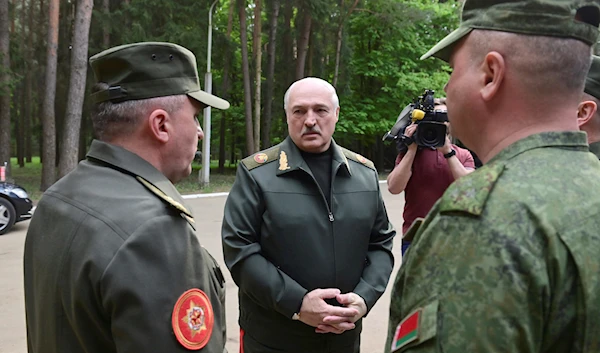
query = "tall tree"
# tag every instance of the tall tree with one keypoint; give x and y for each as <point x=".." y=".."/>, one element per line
<point x="106" y="25"/>
<point x="225" y="88"/>
<point x="246" y="71"/>
<point x="5" y="81"/>
<point x="72" y="126"/>
<point x="273" y="16"/>
<point x="338" y="48"/>
<point x="32" y="66"/>
<point x="303" y="40"/>
<point x="257" y="51"/>
<point x="48" y="114"/>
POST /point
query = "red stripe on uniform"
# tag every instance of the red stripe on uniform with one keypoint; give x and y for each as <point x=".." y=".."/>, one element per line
<point x="241" y="341"/>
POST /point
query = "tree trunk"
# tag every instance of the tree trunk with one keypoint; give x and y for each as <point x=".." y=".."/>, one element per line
<point x="257" y="49"/>
<point x="288" y="43"/>
<point x="72" y="126"/>
<point x="23" y="109"/>
<point x="106" y="26"/>
<point x="246" y="72"/>
<point x="225" y="90"/>
<point x="270" y="79"/>
<point x="338" y="48"/>
<point x="48" y="115"/>
<point x="303" y="43"/>
<point x="29" y="85"/>
<point x="4" y="86"/>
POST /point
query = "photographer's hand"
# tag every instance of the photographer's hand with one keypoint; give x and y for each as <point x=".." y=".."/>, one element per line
<point x="447" y="147"/>
<point x="409" y="132"/>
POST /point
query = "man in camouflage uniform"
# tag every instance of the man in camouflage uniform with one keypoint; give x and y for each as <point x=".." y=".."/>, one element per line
<point x="507" y="260"/>
<point x="306" y="235"/>
<point x="112" y="262"/>
<point x="588" y="113"/>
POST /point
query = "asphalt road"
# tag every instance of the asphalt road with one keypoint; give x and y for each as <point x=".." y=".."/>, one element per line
<point x="208" y="212"/>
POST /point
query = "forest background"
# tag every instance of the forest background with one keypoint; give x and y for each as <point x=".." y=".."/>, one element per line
<point x="368" y="49"/>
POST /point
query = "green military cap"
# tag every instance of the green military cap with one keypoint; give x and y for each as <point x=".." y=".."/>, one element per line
<point x="554" y="18"/>
<point x="148" y="70"/>
<point x="592" y="81"/>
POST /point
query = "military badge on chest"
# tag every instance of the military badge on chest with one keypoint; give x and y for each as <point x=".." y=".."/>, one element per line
<point x="193" y="319"/>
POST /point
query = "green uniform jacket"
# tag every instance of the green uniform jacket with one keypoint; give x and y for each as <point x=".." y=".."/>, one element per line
<point x="507" y="260"/>
<point x="595" y="148"/>
<point x="282" y="240"/>
<point x="106" y="258"/>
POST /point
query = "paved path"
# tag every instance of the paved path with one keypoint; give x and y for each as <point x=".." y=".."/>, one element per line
<point x="208" y="213"/>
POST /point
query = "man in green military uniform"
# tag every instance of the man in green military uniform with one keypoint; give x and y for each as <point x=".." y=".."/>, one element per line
<point x="112" y="262"/>
<point x="306" y="235"/>
<point x="588" y="114"/>
<point x="507" y="260"/>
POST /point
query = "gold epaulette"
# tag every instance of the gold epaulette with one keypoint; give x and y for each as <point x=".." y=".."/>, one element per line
<point x="261" y="158"/>
<point x="358" y="158"/>
<point x="185" y="213"/>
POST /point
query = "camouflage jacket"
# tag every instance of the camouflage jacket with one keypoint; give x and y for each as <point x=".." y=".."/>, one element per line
<point x="507" y="260"/>
<point x="595" y="148"/>
<point x="281" y="240"/>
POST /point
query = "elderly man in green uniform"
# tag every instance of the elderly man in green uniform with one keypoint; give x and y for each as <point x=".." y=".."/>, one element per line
<point x="507" y="260"/>
<point x="112" y="262"/>
<point x="588" y="114"/>
<point x="306" y="235"/>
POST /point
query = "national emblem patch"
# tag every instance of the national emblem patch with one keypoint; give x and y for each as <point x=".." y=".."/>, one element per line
<point x="407" y="331"/>
<point x="260" y="158"/>
<point x="361" y="159"/>
<point x="193" y="319"/>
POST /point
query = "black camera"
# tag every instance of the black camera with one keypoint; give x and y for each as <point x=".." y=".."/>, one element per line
<point x="431" y="130"/>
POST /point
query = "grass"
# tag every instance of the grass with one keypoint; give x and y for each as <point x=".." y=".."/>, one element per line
<point x="30" y="177"/>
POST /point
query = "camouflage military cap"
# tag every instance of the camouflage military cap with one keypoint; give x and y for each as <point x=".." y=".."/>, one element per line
<point x="592" y="81"/>
<point x="555" y="18"/>
<point x="148" y="70"/>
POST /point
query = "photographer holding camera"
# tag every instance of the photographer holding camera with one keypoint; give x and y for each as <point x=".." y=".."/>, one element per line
<point x="424" y="172"/>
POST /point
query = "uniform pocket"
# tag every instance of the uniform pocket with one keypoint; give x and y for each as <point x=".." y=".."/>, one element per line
<point x="416" y="328"/>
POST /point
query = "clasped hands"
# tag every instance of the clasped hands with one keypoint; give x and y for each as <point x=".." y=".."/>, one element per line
<point x="316" y="312"/>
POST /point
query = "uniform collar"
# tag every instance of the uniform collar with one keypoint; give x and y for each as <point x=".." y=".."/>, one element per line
<point x="128" y="162"/>
<point x="595" y="148"/>
<point x="290" y="158"/>
<point x="569" y="139"/>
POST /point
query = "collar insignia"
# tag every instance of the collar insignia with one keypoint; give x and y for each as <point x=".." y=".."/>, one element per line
<point x="283" y="161"/>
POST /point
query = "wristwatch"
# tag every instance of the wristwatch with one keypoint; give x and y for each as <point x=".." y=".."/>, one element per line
<point x="450" y="154"/>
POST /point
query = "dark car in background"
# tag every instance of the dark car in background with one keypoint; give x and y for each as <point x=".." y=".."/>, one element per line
<point x="15" y="206"/>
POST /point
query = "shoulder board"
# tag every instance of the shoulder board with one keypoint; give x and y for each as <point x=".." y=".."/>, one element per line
<point x="261" y="158"/>
<point x="185" y="213"/>
<point x="470" y="193"/>
<point x="358" y="158"/>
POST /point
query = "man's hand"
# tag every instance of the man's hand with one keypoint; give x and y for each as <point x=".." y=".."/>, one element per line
<point x="447" y="147"/>
<point x="408" y="133"/>
<point x="336" y="323"/>
<point x="314" y="309"/>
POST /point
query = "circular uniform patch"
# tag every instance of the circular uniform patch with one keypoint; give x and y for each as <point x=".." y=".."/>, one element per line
<point x="361" y="159"/>
<point x="193" y="319"/>
<point x="260" y="158"/>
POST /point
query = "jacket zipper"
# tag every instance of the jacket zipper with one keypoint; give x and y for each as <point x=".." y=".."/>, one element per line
<point x="329" y="211"/>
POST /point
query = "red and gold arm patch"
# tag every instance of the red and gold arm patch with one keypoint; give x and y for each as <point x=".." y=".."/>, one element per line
<point x="193" y="319"/>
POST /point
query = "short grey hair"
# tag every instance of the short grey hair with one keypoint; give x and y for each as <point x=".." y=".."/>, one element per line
<point x="334" y="97"/>
<point x="111" y="120"/>
<point x="545" y="65"/>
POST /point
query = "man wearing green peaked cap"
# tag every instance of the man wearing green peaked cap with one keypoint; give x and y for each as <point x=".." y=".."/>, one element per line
<point x="507" y="259"/>
<point x="588" y="114"/>
<point x="112" y="262"/>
